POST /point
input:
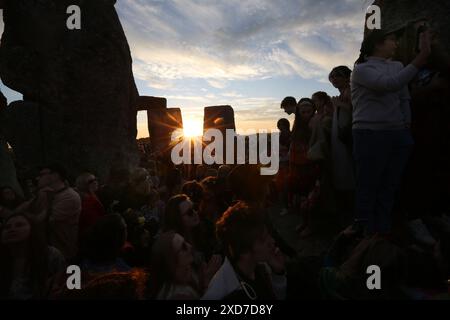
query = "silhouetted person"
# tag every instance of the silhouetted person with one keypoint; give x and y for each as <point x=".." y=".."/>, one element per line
<point x="254" y="268"/>
<point x="27" y="263"/>
<point x="381" y="119"/>
<point x="173" y="277"/>
<point x="343" y="168"/>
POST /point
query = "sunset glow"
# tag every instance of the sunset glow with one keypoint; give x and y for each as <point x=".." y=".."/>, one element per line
<point x="192" y="127"/>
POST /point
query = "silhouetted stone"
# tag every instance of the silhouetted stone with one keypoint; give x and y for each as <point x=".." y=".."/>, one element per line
<point x="145" y="103"/>
<point x="161" y="124"/>
<point x="23" y="133"/>
<point x="7" y="168"/>
<point x="81" y="81"/>
<point x="219" y="117"/>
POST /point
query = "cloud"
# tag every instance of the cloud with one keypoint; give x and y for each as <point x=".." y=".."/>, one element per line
<point x="223" y="41"/>
<point x="194" y="52"/>
<point x="218" y="84"/>
<point x="232" y="94"/>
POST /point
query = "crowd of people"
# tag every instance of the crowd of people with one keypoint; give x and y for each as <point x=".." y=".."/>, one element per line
<point x="168" y="233"/>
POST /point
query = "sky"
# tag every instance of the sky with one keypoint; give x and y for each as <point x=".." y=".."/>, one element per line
<point x="249" y="54"/>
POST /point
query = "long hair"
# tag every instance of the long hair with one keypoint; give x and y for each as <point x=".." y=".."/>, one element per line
<point x="239" y="228"/>
<point x="163" y="262"/>
<point x="37" y="260"/>
<point x="321" y="95"/>
<point x="172" y="216"/>
<point x="324" y="97"/>
<point x="300" y="129"/>
<point x="370" y="43"/>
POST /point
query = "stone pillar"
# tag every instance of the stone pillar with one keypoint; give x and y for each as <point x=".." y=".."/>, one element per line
<point x="81" y="81"/>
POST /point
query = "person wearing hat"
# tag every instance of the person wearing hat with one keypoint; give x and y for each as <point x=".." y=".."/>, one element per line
<point x="382" y="141"/>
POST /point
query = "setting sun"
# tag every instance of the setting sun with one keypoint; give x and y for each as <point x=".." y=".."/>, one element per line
<point x="192" y="128"/>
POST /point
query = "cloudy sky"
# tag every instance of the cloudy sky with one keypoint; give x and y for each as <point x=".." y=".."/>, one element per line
<point x="245" y="53"/>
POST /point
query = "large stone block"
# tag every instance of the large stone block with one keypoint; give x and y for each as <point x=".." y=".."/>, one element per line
<point x="219" y="117"/>
<point x="161" y="124"/>
<point x="81" y="80"/>
<point x="148" y="103"/>
<point x="22" y="129"/>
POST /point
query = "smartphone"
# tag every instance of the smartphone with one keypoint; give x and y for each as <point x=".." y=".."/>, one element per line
<point x="421" y="29"/>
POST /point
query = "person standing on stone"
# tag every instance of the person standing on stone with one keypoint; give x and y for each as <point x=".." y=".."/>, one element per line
<point x="289" y="105"/>
<point x="341" y="144"/>
<point x="382" y="141"/>
<point x="303" y="172"/>
<point x="282" y="176"/>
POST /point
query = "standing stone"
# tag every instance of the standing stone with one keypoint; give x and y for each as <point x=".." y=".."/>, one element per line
<point x="20" y="125"/>
<point x="80" y="80"/>
<point x="161" y="124"/>
<point x="7" y="169"/>
<point x="219" y="117"/>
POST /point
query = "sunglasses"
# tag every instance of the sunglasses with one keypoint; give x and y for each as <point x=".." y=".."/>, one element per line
<point x="92" y="181"/>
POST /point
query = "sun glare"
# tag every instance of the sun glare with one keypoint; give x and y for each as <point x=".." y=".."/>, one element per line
<point x="192" y="128"/>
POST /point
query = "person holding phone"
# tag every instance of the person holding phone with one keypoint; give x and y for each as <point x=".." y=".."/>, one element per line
<point x="382" y="141"/>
